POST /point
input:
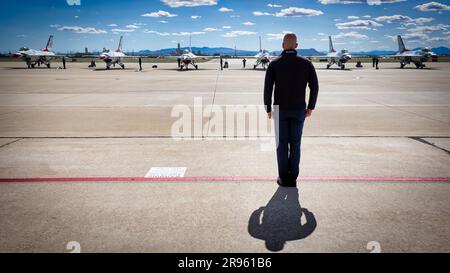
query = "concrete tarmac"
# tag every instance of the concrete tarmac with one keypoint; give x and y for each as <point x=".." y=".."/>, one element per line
<point x="385" y="124"/>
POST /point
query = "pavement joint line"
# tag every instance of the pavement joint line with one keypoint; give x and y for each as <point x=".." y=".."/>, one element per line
<point x="9" y="143"/>
<point x="398" y="108"/>
<point x="226" y="179"/>
<point x="421" y="140"/>
<point x="203" y="137"/>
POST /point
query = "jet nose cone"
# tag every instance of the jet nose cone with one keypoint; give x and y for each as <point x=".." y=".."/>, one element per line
<point x="103" y="56"/>
<point x="16" y="55"/>
<point x="348" y="57"/>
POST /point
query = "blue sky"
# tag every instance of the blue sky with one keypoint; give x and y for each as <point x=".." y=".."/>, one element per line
<point x="358" y="25"/>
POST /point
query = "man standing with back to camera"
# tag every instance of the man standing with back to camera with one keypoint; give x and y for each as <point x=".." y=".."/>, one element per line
<point x="290" y="74"/>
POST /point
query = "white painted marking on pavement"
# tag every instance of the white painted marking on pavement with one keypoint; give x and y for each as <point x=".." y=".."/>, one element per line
<point x="166" y="172"/>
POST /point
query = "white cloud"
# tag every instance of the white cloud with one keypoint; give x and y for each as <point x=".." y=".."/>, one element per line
<point x="369" y="2"/>
<point x="195" y="17"/>
<point x="422" y="20"/>
<point x="248" y="23"/>
<point x="123" y="30"/>
<point x="112" y="25"/>
<point x="183" y="33"/>
<point x="367" y="16"/>
<point x="352" y="17"/>
<point x="403" y="19"/>
<point x="321" y="34"/>
<point x="81" y="30"/>
<point x="260" y="13"/>
<point x="236" y="33"/>
<point x="427" y="29"/>
<point x="359" y="24"/>
<point x="73" y="2"/>
<point x="163" y="22"/>
<point x="160" y="13"/>
<point x="295" y="12"/>
<point x="156" y="32"/>
<point x="274" y="6"/>
<point x="351" y="34"/>
<point x="224" y="9"/>
<point x="226" y="27"/>
<point x="439" y="39"/>
<point x="277" y="36"/>
<point x="211" y="29"/>
<point x="132" y="27"/>
<point x="409" y="36"/>
<point x="432" y="6"/>
<point x="189" y="3"/>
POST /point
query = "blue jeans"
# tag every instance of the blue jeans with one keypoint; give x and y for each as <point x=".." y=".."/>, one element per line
<point x="288" y="132"/>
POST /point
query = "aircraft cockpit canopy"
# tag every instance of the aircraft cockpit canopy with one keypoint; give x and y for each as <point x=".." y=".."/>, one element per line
<point x="344" y="50"/>
<point x="426" y="49"/>
<point x="24" y="48"/>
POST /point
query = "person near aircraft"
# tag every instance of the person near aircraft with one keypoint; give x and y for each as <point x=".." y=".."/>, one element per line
<point x="290" y="74"/>
<point x="244" y="61"/>
<point x="92" y="64"/>
<point x="221" y="63"/>
<point x="140" y="64"/>
<point x="64" y="62"/>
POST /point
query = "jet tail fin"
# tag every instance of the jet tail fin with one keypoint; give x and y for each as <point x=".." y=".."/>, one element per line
<point x="331" y="47"/>
<point x="190" y="43"/>
<point x="260" y="44"/>
<point x="119" y="48"/>
<point x="49" y="46"/>
<point x="401" y="45"/>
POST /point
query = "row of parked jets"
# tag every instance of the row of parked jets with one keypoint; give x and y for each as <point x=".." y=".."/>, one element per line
<point x="263" y="58"/>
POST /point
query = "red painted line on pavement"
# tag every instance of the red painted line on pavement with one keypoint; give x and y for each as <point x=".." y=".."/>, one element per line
<point x="223" y="178"/>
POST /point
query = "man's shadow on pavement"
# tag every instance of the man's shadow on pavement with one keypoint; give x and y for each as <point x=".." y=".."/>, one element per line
<point x="281" y="220"/>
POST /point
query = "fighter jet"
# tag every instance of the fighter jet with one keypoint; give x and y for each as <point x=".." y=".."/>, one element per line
<point x="406" y="56"/>
<point x="340" y="58"/>
<point x="263" y="58"/>
<point x="334" y="57"/>
<point x="187" y="58"/>
<point x="37" y="57"/>
<point x="111" y="58"/>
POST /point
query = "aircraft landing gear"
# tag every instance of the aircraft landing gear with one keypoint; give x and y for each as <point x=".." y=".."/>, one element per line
<point x="328" y="66"/>
<point x="402" y="65"/>
<point x="254" y="67"/>
<point x="48" y="65"/>
<point x="33" y="65"/>
<point x="196" y="67"/>
<point x="343" y="67"/>
<point x="123" y="66"/>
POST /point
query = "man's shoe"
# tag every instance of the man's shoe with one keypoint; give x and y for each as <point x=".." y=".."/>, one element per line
<point x="292" y="182"/>
<point x="282" y="182"/>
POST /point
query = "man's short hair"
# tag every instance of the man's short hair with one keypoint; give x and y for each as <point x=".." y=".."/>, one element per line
<point x="290" y="39"/>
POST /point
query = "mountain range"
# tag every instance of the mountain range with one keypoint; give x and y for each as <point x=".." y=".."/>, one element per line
<point x="210" y="51"/>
